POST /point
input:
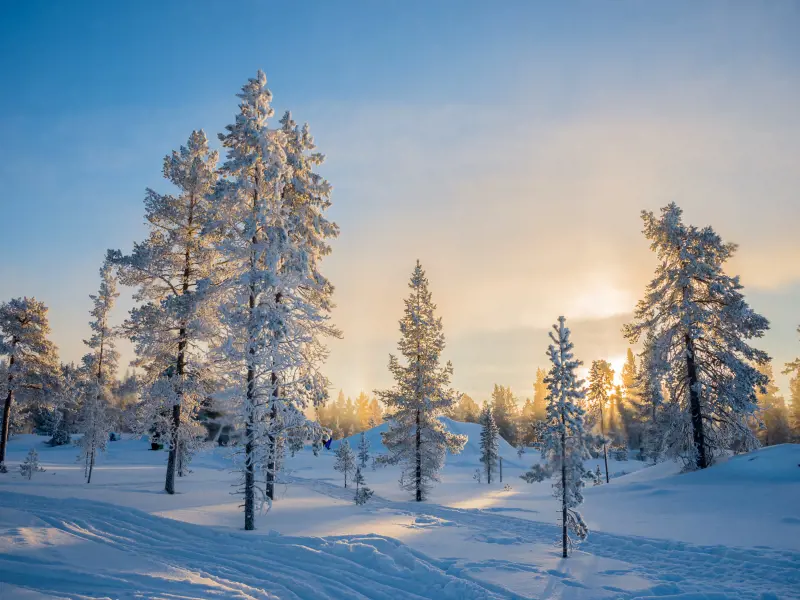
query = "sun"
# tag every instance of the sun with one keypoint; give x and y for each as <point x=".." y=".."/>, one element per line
<point x="617" y="362"/>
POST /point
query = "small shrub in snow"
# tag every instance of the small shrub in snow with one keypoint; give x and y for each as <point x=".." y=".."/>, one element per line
<point x="620" y="453"/>
<point x="363" y="493"/>
<point x="507" y="488"/>
<point x="598" y="476"/>
<point x="30" y="465"/>
<point x="477" y="475"/>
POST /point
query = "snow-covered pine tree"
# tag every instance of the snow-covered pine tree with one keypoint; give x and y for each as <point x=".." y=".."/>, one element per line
<point x="172" y="269"/>
<point x="30" y="465"/>
<point x="415" y="438"/>
<point x="363" y="493"/>
<point x="100" y="367"/>
<point x="275" y="303"/>
<point x="565" y="441"/>
<point x="490" y="450"/>
<point x="32" y="367"/>
<point x="345" y="460"/>
<point x="696" y="326"/>
<point x="363" y="450"/>
<point x="601" y="380"/>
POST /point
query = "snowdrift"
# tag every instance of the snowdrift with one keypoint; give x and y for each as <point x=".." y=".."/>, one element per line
<point x="470" y="455"/>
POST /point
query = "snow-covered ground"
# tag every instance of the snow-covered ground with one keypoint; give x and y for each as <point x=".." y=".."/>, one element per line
<point x="732" y="531"/>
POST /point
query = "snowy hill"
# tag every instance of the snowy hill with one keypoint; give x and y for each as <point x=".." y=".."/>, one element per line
<point x="471" y="451"/>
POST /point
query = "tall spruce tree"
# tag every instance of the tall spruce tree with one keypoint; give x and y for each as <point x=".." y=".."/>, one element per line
<point x="416" y="438"/>
<point x="793" y="369"/>
<point x="773" y="413"/>
<point x="175" y="322"/>
<point x="363" y="450"/>
<point x="490" y="450"/>
<point x="601" y="381"/>
<point x="32" y="368"/>
<point x="696" y="326"/>
<point x="565" y="441"/>
<point x="100" y="366"/>
<point x="275" y="303"/>
<point x="540" y="395"/>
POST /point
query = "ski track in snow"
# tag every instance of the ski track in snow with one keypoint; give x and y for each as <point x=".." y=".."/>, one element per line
<point x="191" y="561"/>
<point x="677" y="569"/>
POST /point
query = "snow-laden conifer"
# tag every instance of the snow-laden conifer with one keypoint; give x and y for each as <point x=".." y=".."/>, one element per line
<point x="173" y="269"/>
<point x="100" y="368"/>
<point x="30" y="465"/>
<point x="275" y="302"/>
<point x="32" y="363"/>
<point x="490" y="449"/>
<point x="363" y="493"/>
<point x="363" y="450"/>
<point x="565" y="443"/>
<point x="415" y="437"/>
<point x="345" y="460"/>
<point x="696" y="327"/>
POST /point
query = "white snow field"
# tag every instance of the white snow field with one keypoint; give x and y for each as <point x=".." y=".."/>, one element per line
<point x="732" y="531"/>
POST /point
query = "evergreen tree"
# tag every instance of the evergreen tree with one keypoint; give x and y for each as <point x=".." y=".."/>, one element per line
<point x="696" y="325"/>
<point x="30" y="465"/>
<point x="363" y="493"/>
<point x="363" y="450"/>
<point x="630" y="407"/>
<point x="416" y="438"/>
<point x="345" y="460"/>
<point x="504" y="410"/>
<point x="275" y="301"/>
<point x="101" y="367"/>
<point x="375" y="413"/>
<point x="171" y="269"/>
<point x="540" y="395"/>
<point x="773" y="412"/>
<point x="362" y="411"/>
<point x="32" y="367"/>
<point x="601" y="379"/>
<point x="565" y="442"/>
<point x="467" y="410"/>
<point x="793" y="368"/>
<point x="490" y="451"/>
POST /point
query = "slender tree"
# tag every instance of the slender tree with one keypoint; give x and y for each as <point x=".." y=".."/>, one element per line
<point x="363" y="451"/>
<point x="100" y="366"/>
<point x="32" y="366"/>
<point x="416" y="438"/>
<point x="793" y="369"/>
<point x="696" y="326"/>
<point x="565" y="442"/>
<point x="773" y="413"/>
<point x="345" y="460"/>
<point x="175" y="322"/>
<point x="490" y="451"/>
<point x="275" y="301"/>
<point x="601" y="381"/>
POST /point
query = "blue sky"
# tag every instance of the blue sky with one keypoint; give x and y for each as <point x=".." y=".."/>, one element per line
<point x="510" y="146"/>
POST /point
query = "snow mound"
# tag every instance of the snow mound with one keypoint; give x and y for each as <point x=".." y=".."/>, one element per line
<point x="470" y="454"/>
<point x="774" y="464"/>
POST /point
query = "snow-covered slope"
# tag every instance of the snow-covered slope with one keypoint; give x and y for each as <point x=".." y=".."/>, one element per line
<point x="469" y="455"/>
<point x="730" y="531"/>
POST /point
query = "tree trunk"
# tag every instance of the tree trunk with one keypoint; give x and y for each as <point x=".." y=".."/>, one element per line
<point x="500" y="460"/>
<point x="418" y="474"/>
<point x="694" y="401"/>
<point x="564" y="535"/>
<point x="7" y="412"/>
<point x="603" y="433"/>
<point x="91" y="465"/>
<point x="271" y="440"/>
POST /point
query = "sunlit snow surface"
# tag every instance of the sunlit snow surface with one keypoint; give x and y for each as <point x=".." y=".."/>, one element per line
<point x="732" y="531"/>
